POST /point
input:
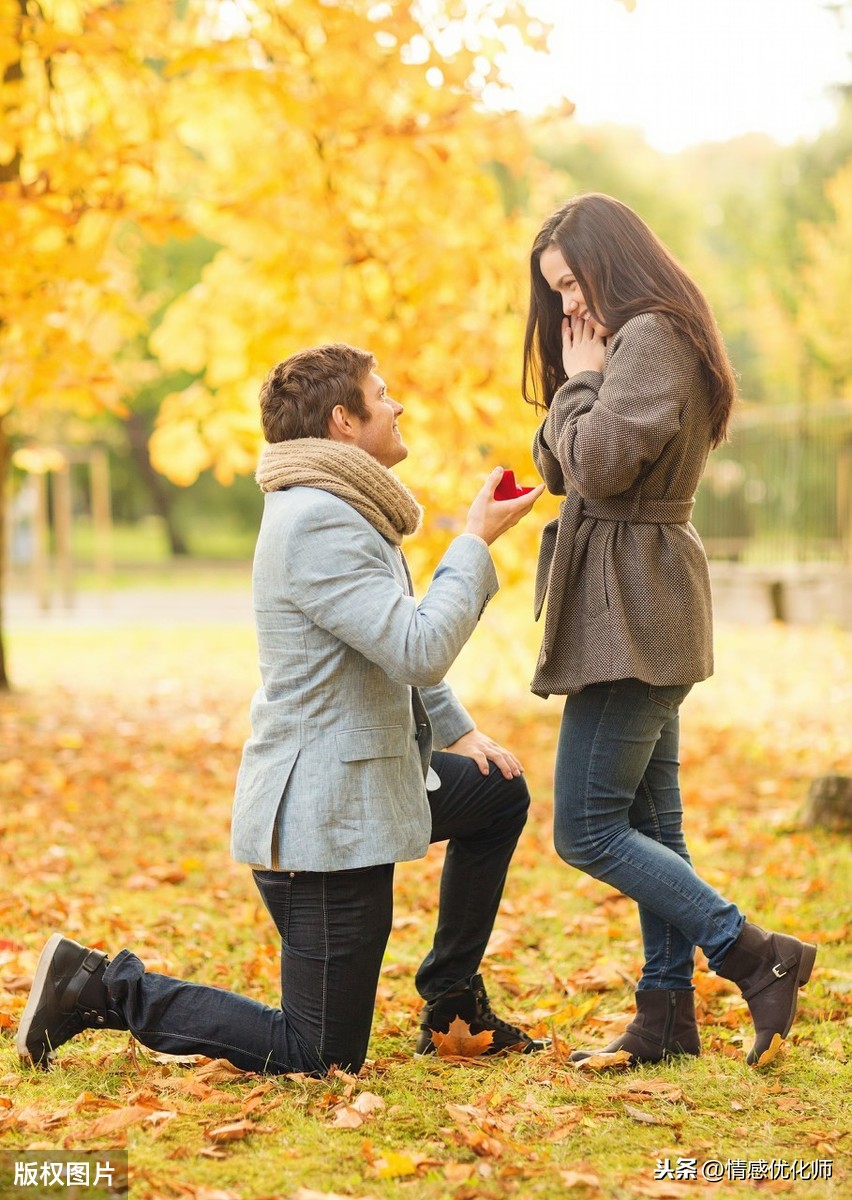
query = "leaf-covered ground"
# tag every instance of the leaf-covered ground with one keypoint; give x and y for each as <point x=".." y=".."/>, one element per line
<point x="118" y="758"/>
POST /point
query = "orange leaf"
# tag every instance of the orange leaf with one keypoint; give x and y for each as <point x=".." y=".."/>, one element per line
<point x="459" y="1042"/>
<point x="121" y="1118"/>
<point x="232" y="1132"/>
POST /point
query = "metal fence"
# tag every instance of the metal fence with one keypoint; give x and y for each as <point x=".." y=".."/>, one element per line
<point x="781" y="490"/>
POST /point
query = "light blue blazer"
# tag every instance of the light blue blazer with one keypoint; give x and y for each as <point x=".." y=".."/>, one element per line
<point x="333" y="775"/>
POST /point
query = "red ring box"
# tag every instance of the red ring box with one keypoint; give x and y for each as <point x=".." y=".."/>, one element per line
<point x="507" y="489"/>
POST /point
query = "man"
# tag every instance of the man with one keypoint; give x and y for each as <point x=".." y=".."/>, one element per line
<point x="338" y="780"/>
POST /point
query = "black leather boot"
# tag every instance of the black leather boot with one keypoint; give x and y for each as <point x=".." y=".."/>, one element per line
<point x="664" y="1025"/>
<point x="67" y="996"/>
<point x="768" y="968"/>
<point x="469" y="1001"/>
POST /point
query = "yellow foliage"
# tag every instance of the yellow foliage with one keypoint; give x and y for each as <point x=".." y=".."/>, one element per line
<point x="340" y="157"/>
<point x="828" y="283"/>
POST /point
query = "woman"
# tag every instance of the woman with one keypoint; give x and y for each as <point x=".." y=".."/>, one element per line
<point x="622" y="351"/>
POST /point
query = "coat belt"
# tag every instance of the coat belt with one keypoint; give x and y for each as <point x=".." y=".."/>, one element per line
<point x="636" y="511"/>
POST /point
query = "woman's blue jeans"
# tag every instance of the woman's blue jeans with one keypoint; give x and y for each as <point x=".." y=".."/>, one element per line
<point x="618" y="817"/>
<point x="334" y="927"/>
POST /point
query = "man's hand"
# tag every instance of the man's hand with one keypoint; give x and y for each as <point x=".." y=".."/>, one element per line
<point x="583" y="346"/>
<point x="488" y="518"/>
<point x="480" y="748"/>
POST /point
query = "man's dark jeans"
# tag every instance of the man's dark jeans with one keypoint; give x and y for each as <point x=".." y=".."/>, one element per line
<point x="334" y="927"/>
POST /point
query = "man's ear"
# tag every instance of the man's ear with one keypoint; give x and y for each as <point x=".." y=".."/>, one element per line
<point x="340" y="426"/>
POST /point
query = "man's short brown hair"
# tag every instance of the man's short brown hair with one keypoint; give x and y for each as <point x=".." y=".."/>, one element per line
<point x="298" y="396"/>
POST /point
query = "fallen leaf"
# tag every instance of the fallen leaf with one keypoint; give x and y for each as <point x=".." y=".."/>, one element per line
<point x="123" y="1118"/>
<point x="658" y="1088"/>
<point x="604" y="1062"/>
<point x="394" y="1166"/>
<point x="459" y="1042"/>
<point x="573" y="1179"/>
<point x="219" y="1070"/>
<point x="347" y="1117"/>
<point x="367" y="1103"/>
<point x="646" y="1118"/>
<point x="233" y="1132"/>
<point x="771" y="1052"/>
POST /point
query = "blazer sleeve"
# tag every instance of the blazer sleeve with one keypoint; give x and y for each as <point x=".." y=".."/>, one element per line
<point x="604" y="429"/>
<point x="339" y="577"/>
<point x="448" y="717"/>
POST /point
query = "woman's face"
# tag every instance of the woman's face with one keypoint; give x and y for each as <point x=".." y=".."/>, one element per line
<point x="560" y="279"/>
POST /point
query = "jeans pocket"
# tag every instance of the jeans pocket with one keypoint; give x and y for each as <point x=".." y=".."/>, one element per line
<point x="276" y="889"/>
<point x="669" y="696"/>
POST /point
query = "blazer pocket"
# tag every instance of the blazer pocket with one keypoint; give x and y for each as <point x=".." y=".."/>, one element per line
<point x="386" y="741"/>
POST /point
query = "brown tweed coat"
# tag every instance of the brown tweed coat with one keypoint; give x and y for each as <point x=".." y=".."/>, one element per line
<point x="628" y="591"/>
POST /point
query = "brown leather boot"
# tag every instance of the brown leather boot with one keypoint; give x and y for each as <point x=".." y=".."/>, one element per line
<point x="664" y="1025"/>
<point x="768" y="968"/>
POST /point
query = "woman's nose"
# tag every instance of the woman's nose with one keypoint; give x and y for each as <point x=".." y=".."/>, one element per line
<point x="569" y="307"/>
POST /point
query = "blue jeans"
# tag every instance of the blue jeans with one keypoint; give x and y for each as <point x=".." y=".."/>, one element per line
<point x="618" y="817"/>
<point x="334" y="927"/>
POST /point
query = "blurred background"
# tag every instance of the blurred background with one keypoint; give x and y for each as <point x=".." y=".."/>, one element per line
<point x="191" y="190"/>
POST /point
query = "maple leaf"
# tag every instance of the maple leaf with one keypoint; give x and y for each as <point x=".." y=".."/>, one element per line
<point x="459" y="1042"/>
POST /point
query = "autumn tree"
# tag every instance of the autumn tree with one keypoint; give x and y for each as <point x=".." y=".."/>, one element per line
<point x="827" y="279"/>
<point x="355" y="182"/>
<point x="85" y="151"/>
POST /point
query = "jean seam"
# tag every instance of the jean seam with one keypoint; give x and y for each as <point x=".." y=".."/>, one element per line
<point x="324" y="998"/>
<point x="652" y="808"/>
<point x="591" y="761"/>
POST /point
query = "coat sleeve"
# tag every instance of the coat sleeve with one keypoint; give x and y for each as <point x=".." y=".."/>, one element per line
<point x="547" y="464"/>
<point x="338" y="576"/>
<point x="605" y="429"/>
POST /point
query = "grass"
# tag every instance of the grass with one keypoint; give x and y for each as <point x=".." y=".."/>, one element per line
<point x="116" y="804"/>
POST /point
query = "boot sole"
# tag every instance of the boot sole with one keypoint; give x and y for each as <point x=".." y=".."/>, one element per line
<point x="43" y="966"/>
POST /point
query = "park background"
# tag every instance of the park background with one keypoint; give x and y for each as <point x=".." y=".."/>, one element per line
<point x="191" y="190"/>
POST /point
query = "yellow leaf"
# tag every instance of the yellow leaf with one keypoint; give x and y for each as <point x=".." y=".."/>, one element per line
<point x="771" y="1052"/>
<point x="393" y="1166"/>
<point x="605" y="1062"/>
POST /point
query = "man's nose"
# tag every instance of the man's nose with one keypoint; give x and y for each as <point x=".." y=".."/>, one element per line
<point x="397" y="408"/>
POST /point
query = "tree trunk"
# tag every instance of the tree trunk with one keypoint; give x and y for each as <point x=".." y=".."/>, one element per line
<point x="5" y="457"/>
<point x="137" y="437"/>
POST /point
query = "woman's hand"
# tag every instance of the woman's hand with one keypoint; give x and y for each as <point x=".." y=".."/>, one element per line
<point x="583" y="346"/>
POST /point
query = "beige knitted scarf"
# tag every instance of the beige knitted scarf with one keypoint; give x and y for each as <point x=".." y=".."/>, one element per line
<point x="347" y="472"/>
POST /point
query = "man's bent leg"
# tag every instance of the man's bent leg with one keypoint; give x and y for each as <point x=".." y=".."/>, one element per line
<point x="175" y="1017"/>
<point x="334" y="927"/>
<point x="482" y="816"/>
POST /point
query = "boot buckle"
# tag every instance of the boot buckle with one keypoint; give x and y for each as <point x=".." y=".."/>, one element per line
<point x="778" y="971"/>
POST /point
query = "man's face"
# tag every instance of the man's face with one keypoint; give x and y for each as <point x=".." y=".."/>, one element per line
<point x="378" y="433"/>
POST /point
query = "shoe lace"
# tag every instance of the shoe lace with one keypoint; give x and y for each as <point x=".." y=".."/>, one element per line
<point x="487" y="1014"/>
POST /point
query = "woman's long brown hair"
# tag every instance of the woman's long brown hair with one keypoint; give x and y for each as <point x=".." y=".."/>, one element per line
<point x="623" y="269"/>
